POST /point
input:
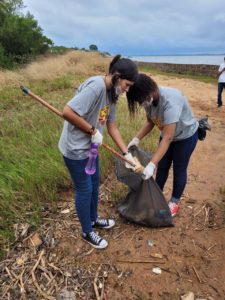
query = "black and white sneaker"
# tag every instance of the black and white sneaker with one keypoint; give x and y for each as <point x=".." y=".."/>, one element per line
<point x="103" y="223"/>
<point x="95" y="240"/>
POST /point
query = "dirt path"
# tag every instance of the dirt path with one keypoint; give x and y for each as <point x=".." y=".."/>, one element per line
<point x="190" y="255"/>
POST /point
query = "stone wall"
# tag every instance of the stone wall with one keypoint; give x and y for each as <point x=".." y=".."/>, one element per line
<point x="207" y="70"/>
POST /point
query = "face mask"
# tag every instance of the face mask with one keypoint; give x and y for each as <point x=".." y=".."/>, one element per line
<point x="147" y="103"/>
<point x="118" y="90"/>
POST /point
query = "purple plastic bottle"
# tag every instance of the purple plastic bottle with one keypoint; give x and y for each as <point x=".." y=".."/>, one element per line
<point x="91" y="164"/>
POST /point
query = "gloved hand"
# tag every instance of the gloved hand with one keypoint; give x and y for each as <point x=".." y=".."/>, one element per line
<point x="134" y="142"/>
<point x="148" y="171"/>
<point x="97" y="137"/>
<point x="131" y="159"/>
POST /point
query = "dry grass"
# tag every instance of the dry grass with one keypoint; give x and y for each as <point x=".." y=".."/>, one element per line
<point x="48" y="68"/>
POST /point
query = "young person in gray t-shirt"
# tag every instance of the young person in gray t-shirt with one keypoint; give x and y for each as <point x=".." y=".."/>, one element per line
<point x="86" y="113"/>
<point x="168" y="109"/>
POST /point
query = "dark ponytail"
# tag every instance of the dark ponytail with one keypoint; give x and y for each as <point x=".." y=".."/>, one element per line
<point x="125" y="67"/>
<point x="141" y="91"/>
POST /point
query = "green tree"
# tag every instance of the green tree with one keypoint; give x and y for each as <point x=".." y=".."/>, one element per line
<point x="93" y="47"/>
<point x="20" y="36"/>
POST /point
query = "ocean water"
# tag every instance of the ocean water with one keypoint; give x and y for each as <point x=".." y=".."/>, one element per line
<point x="182" y="59"/>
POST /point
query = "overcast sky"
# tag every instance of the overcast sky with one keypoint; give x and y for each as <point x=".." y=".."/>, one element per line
<point x="128" y="27"/>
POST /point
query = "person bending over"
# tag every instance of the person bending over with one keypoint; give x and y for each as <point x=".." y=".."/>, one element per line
<point x="168" y="109"/>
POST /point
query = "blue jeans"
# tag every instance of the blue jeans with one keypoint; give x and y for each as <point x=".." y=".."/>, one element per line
<point x="221" y="86"/>
<point x="179" y="154"/>
<point x="86" y="190"/>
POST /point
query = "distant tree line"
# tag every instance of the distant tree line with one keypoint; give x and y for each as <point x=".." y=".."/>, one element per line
<point x="21" y="38"/>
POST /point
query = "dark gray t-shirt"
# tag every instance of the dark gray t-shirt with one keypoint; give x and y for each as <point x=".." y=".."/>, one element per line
<point x="91" y="102"/>
<point x="173" y="107"/>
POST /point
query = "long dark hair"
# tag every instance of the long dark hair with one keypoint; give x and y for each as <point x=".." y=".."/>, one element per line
<point x="123" y="68"/>
<point x="143" y="88"/>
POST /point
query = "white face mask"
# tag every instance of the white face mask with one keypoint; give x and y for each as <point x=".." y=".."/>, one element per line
<point x="147" y="103"/>
<point x="118" y="90"/>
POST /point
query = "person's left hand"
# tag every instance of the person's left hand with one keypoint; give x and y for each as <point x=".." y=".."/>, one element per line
<point x="148" y="171"/>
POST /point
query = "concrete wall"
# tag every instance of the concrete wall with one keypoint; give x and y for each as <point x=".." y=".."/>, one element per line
<point x="207" y="70"/>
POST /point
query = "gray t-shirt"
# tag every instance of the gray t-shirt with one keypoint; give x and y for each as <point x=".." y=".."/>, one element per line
<point x="91" y="102"/>
<point x="173" y="107"/>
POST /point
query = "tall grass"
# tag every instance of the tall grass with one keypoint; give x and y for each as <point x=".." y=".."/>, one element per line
<point x="32" y="172"/>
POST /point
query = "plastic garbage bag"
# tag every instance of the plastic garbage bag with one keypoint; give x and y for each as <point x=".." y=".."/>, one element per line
<point x="145" y="203"/>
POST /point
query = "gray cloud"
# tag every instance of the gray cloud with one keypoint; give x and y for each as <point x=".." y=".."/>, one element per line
<point x="134" y="27"/>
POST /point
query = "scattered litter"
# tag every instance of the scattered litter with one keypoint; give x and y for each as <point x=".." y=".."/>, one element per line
<point x="157" y="270"/>
<point x="36" y="240"/>
<point x="189" y="206"/>
<point x="65" y="211"/>
<point x="156" y="255"/>
<point x="150" y="243"/>
<point x="188" y="296"/>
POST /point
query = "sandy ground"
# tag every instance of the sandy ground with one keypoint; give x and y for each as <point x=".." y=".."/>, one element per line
<point x="190" y="254"/>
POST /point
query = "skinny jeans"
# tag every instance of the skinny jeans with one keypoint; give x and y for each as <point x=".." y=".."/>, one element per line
<point x="86" y="191"/>
<point x="178" y="153"/>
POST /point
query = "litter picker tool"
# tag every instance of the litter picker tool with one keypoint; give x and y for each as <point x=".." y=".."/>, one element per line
<point x="57" y="112"/>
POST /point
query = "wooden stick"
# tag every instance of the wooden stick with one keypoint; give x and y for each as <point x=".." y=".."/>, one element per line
<point x="57" y="112"/>
<point x="196" y="273"/>
<point x="211" y="247"/>
<point x="141" y="262"/>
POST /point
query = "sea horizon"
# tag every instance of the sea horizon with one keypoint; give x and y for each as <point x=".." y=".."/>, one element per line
<point x="195" y="59"/>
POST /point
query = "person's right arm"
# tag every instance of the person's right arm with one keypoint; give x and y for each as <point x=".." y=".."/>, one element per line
<point x="73" y="118"/>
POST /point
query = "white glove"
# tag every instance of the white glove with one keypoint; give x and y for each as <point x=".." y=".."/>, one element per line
<point x="134" y="142"/>
<point x="148" y="171"/>
<point x="97" y="137"/>
<point x="131" y="159"/>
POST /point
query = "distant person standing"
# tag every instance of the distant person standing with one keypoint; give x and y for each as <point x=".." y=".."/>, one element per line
<point x="221" y="83"/>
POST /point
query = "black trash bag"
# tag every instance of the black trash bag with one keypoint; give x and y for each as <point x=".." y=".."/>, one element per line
<point x="203" y="126"/>
<point x="130" y="178"/>
<point x="145" y="203"/>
